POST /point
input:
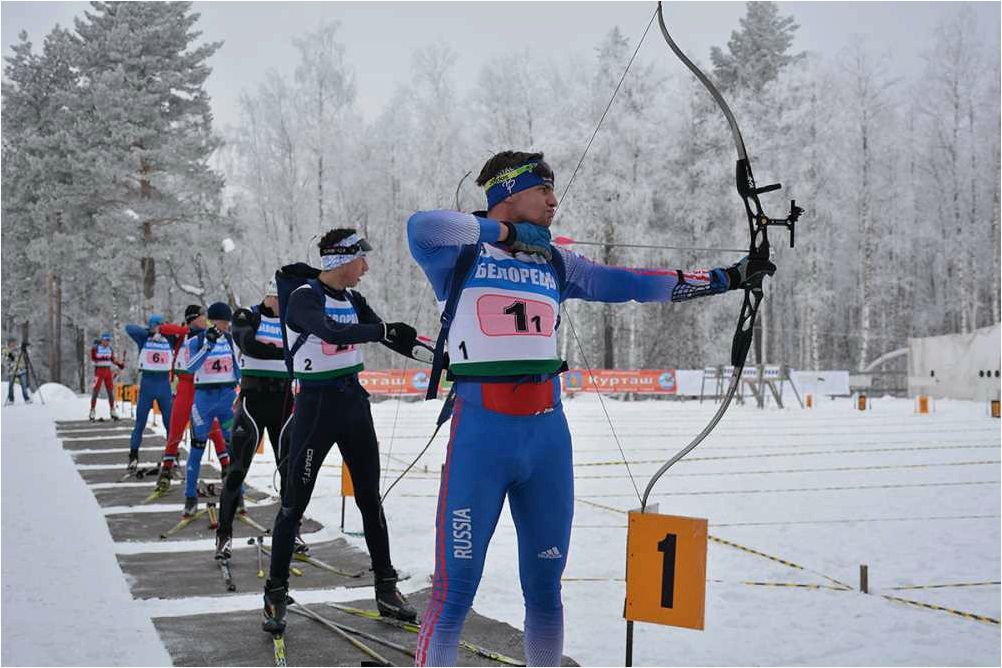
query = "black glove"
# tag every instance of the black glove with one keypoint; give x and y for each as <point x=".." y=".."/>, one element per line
<point x="748" y="271"/>
<point x="400" y="336"/>
<point x="212" y="335"/>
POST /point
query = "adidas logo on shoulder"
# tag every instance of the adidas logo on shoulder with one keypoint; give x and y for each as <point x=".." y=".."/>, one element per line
<point x="552" y="553"/>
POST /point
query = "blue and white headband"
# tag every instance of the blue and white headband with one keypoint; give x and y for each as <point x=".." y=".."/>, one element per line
<point x="517" y="179"/>
<point x="341" y="253"/>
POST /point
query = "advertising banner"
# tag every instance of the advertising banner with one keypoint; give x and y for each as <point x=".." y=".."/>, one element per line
<point x="637" y="381"/>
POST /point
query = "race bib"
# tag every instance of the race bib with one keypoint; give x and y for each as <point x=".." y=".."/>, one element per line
<point x="503" y="315"/>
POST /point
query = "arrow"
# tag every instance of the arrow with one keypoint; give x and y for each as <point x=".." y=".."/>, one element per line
<point x="567" y="241"/>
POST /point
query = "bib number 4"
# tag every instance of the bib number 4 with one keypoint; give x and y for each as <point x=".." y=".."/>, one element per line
<point x="220" y="365"/>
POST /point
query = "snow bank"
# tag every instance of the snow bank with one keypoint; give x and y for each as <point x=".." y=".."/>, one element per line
<point x="56" y="392"/>
<point x="65" y="601"/>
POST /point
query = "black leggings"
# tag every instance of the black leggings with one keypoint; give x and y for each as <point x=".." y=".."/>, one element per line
<point x="323" y="417"/>
<point x="257" y="410"/>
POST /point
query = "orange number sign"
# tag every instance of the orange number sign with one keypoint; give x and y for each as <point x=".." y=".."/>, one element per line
<point x="666" y="569"/>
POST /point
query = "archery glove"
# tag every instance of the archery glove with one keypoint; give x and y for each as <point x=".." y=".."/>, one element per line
<point x="749" y="271"/>
<point x="529" y="238"/>
<point x="399" y="336"/>
<point x="212" y="335"/>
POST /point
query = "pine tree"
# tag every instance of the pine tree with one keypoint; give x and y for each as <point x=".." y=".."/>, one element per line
<point x="757" y="52"/>
<point x="147" y="114"/>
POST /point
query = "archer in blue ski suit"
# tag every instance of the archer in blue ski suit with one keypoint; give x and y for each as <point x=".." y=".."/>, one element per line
<point x="500" y="285"/>
<point x="212" y="359"/>
<point x="155" y="356"/>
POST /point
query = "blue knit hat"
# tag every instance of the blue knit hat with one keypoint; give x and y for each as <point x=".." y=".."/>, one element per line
<point x="155" y="319"/>
<point x="220" y="311"/>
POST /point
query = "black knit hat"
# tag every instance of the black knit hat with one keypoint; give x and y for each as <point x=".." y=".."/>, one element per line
<point x="220" y="311"/>
<point x="192" y="311"/>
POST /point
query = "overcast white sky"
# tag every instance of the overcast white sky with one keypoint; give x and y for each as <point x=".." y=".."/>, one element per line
<point x="380" y="36"/>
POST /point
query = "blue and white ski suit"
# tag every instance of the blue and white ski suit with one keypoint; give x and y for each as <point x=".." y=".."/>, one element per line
<point x="155" y="355"/>
<point x="509" y="437"/>
<point x="216" y="376"/>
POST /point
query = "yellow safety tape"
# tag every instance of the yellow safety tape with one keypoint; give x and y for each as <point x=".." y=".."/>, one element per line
<point x="599" y="505"/>
<point x="837" y="488"/>
<point x="987" y="583"/>
<point x="734" y="545"/>
<point x="800" y="585"/>
<point x="811" y="470"/>
<point x="932" y="606"/>
<point x="796" y="585"/>
<point x="619" y="462"/>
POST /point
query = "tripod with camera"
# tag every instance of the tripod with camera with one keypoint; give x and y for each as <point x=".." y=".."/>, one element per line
<point x="22" y="371"/>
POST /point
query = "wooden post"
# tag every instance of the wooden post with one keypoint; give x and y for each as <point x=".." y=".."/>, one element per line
<point x="996" y="409"/>
<point x="923" y="404"/>
<point x="809" y="400"/>
<point x="861" y="402"/>
<point x="864" y="579"/>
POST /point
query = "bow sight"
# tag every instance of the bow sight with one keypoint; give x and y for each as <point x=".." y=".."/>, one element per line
<point x="749" y="192"/>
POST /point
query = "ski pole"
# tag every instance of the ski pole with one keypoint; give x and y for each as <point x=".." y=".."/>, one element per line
<point x="260" y="558"/>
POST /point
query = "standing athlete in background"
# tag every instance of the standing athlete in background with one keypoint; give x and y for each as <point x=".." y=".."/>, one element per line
<point x="212" y="359"/>
<point x="184" y="397"/>
<point x="103" y="356"/>
<point x="264" y="404"/>
<point x="154" y="368"/>
<point x="509" y="436"/>
<point x="325" y="323"/>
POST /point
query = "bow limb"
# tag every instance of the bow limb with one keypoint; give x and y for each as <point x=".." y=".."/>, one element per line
<point x="758" y="246"/>
<point x="739" y="142"/>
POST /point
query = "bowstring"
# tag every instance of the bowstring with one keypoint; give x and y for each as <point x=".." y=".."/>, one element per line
<point x="397" y="412"/>
<point x="564" y="309"/>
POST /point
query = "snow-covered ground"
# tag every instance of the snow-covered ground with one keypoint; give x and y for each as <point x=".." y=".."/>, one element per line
<point x="915" y="497"/>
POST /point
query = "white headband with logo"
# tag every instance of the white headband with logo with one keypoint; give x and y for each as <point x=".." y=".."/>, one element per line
<point x="348" y="249"/>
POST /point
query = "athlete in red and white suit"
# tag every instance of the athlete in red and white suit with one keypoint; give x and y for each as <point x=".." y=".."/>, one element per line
<point x="103" y="357"/>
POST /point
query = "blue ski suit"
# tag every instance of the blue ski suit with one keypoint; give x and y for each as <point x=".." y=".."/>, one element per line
<point x="154" y="361"/>
<point x="509" y="437"/>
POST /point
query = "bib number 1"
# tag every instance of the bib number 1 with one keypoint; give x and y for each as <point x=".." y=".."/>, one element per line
<point x="501" y="315"/>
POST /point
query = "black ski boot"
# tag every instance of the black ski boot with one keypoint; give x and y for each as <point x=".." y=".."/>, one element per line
<point x="133" y="460"/>
<point x="190" y="506"/>
<point x="275" y="603"/>
<point x="389" y="600"/>
<point x="224" y="544"/>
